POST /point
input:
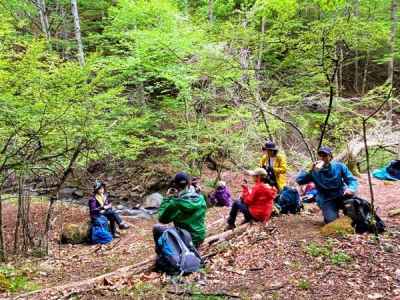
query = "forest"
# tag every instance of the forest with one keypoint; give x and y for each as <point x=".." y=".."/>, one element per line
<point x="131" y="92"/>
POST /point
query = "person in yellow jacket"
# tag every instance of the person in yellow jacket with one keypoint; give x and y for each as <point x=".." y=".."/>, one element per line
<point x="276" y="161"/>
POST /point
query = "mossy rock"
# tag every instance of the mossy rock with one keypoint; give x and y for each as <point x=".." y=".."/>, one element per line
<point x="339" y="227"/>
<point x="75" y="233"/>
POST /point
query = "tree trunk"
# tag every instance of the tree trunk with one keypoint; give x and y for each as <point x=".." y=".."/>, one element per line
<point x="392" y="40"/>
<point x="2" y="249"/>
<point x="44" y="21"/>
<point x="356" y="64"/>
<point x="77" y="27"/>
<point x="211" y="11"/>
<point x="365" y="75"/>
<point x="341" y="57"/>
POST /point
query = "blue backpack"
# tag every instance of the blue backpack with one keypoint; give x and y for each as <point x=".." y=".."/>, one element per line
<point x="177" y="254"/>
<point x="288" y="201"/>
<point x="100" y="234"/>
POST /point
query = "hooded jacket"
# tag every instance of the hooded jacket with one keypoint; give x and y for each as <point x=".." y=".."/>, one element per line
<point x="95" y="207"/>
<point x="221" y="196"/>
<point x="279" y="166"/>
<point x="330" y="182"/>
<point x="187" y="211"/>
<point x="259" y="200"/>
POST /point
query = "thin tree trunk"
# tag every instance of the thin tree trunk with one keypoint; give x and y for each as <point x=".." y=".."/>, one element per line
<point x="77" y="27"/>
<point x="44" y="21"/>
<point x="365" y="75"/>
<point x="392" y="43"/>
<point x="2" y="249"/>
<point x="64" y="35"/>
<point x="211" y="11"/>
<point x="337" y="79"/>
<point x="341" y="57"/>
<point x="19" y="215"/>
<point x="392" y="40"/>
<point x="356" y="63"/>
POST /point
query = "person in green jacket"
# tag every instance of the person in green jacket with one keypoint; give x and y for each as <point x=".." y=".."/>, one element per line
<point x="185" y="208"/>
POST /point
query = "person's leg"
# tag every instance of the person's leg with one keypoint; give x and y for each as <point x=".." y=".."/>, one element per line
<point x="114" y="217"/>
<point x="237" y="206"/>
<point x="330" y="210"/>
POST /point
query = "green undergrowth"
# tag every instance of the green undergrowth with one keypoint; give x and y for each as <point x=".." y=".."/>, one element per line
<point x="14" y="280"/>
<point x="327" y="252"/>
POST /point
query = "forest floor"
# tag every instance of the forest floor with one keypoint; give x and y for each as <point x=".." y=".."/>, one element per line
<point x="288" y="259"/>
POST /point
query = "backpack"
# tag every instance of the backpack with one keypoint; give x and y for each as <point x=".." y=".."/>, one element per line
<point x="359" y="210"/>
<point x="99" y="232"/>
<point x="288" y="201"/>
<point x="394" y="169"/>
<point x="178" y="256"/>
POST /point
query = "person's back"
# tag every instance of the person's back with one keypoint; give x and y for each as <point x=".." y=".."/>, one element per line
<point x="186" y="209"/>
<point x="260" y="200"/>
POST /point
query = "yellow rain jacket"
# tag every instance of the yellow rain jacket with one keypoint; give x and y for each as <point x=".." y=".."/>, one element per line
<point x="279" y="165"/>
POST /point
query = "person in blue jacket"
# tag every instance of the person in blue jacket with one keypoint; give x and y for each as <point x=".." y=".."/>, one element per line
<point x="333" y="181"/>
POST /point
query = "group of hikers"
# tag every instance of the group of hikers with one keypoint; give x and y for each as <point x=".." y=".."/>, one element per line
<point x="329" y="181"/>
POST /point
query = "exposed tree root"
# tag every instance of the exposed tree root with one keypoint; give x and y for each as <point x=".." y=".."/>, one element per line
<point x="78" y="287"/>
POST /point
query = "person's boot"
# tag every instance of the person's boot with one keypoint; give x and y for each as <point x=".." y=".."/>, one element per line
<point x="123" y="226"/>
<point x="247" y="221"/>
<point x="229" y="227"/>
<point x="116" y="235"/>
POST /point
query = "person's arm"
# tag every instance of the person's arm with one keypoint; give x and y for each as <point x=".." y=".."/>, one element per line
<point x="263" y="161"/>
<point x="167" y="212"/>
<point x="93" y="207"/>
<point x="304" y="177"/>
<point x="282" y="166"/>
<point x="349" y="179"/>
<point x="248" y="197"/>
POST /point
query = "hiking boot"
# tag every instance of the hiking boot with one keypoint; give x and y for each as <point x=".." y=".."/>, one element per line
<point x="246" y="221"/>
<point x="116" y="235"/>
<point x="123" y="226"/>
<point x="229" y="227"/>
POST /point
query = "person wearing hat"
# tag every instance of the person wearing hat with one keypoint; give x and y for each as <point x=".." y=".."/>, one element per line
<point x="185" y="208"/>
<point x="221" y="196"/>
<point x="99" y="204"/>
<point x="275" y="161"/>
<point x="333" y="182"/>
<point x="255" y="204"/>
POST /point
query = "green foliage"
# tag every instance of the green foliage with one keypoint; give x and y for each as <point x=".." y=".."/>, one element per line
<point x="12" y="280"/>
<point x="304" y="284"/>
<point x="326" y="251"/>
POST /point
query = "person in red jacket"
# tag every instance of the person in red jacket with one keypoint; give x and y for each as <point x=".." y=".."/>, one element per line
<point x="255" y="204"/>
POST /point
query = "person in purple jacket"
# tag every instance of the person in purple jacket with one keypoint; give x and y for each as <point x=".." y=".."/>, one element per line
<point x="221" y="196"/>
<point x="99" y="204"/>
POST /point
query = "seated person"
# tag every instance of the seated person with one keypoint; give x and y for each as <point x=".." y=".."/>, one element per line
<point x="333" y="182"/>
<point x="221" y="196"/>
<point x="99" y="204"/>
<point x="255" y="204"/>
<point x="185" y="208"/>
<point x="274" y="161"/>
<point x="308" y="193"/>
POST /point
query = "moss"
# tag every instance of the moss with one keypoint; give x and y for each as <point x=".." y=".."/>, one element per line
<point x="339" y="227"/>
<point x="75" y="233"/>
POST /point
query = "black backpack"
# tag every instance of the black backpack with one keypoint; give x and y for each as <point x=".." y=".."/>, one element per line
<point x="394" y="168"/>
<point x="178" y="256"/>
<point x="359" y="210"/>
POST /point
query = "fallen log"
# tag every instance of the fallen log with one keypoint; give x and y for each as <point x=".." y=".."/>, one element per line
<point x="394" y="212"/>
<point x="58" y="292"/>
<point x="81" y="286"/>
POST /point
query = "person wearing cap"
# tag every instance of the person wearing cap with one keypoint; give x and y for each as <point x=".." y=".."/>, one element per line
<point x="276" y="162"/>
<point x="221" y="196"/>
<point x="255" y="204"/>
<point x="333" y="182"/>
<point x="99" y="204"/>
<point x="185" y="208"/>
